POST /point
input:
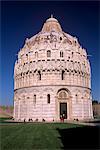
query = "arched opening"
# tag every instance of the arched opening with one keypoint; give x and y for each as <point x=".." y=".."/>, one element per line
<point x="61" y="54"/>
<point x="63" y="96"/>
<point x="48" y="53"/>
<point x="39" y="75"/>
<point x="48" y="98"/>
<point x="62" y="74"/>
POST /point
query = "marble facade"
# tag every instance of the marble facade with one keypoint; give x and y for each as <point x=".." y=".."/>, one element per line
<point x="52" y="69"/>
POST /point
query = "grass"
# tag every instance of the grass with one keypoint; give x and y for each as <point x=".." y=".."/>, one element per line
<point x="31" y="136"/>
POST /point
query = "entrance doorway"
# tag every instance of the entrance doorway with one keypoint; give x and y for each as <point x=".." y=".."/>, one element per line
<point x="63" y="110"/>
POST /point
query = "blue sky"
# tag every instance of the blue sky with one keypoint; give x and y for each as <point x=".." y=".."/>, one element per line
<point x="20" y="20"/>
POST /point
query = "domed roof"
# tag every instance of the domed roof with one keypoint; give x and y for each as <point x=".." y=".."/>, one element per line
<point x="52" y="19"/>
<point x="51" y="24"/>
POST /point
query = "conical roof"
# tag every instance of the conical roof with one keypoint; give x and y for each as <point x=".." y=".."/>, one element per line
<point x="51" y="24"/>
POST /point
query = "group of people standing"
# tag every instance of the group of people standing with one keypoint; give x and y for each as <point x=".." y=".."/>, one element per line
<point x="62" y="117"/>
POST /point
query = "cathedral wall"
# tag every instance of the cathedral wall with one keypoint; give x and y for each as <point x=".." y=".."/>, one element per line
<point x="51" y="77"/>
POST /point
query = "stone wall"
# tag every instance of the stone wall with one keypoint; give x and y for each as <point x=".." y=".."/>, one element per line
<point x="79" y="107"/>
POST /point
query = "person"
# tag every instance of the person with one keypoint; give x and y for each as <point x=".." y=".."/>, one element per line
<point x="43" y="120"/>
<point x="32" y="120"/>
<point x="24" y="120"/>
<point x="63" y="116"/>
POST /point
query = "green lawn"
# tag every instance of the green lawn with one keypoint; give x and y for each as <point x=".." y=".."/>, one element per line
<point x="31" y="136"/>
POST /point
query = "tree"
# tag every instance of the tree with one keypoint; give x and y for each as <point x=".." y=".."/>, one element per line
<point x="95" y="102"/>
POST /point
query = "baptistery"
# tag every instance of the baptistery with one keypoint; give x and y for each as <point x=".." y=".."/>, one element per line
<point x="52" y="77"/>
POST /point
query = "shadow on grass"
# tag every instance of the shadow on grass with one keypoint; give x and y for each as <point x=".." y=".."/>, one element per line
<point x="86" y="137"/>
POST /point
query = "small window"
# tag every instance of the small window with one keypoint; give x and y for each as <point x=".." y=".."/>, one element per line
<point x="62" y="74"/>
<point x="72" y="54"/>
<point x="27" y="72"/>
<point x="61" y="54"/>
<point x="39" y="75"/>
<point x="48" y="98"/>
<point x="60" y="38"/>
<point x="48" y="53"/>
<point x="69" y="57"/>
<point x="75" y="71"/>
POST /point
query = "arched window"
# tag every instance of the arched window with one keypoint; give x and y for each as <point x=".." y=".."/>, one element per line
<point x="62" y="74"/>
<point x="48" y="53"/>
<point x="72" y="54"/>
<point x="34" y="99"/>
<point x="60" y="38"/>
<point x="48" y="98"/>
<point x="61" y="54"/>
<point x="39" y="75"/>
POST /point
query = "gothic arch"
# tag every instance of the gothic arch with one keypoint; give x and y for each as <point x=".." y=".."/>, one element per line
<point x="64" y="89"/>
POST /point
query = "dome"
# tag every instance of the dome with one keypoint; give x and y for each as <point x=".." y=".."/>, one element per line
<point x="51" y="24"/>
<point x="51" y="20"/>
